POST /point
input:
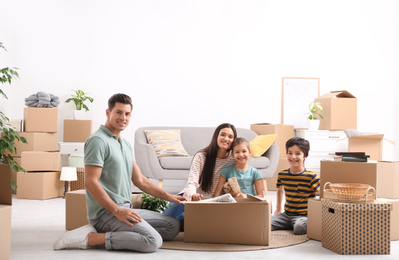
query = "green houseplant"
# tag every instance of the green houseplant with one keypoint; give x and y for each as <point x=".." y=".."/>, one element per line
<point x="314" y="117"/>
<point x="8" y="135"/>
<point x="153" y="203"/>
<point x="79" y="99"/>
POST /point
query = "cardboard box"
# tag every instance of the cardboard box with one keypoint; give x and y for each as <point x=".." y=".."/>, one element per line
<point x="41" y="161"/>
<point x="76" y="211"/>
<point x="314" y="219"/>
<point x="356" y="228"/>
<point x="40" y="119"/>
<point x="339" y="111"/>
<point x="388" y="179"/>
<point x="14" y="174"/>
<point x="394" y="217"/>
<point x="282" y="165"/>
<point x="370" y="144"/>
<point x="36" y="142"/>
<point x="228" y="223"/>
<point x="283" y="132"/>
<point x="349" y="172"/>
<point x="17" y="124"/>
<point x="78" y="184"/>
<point x="39" y="185"/>
<point x="77" y="130"/>
<point x="5" y="211"/>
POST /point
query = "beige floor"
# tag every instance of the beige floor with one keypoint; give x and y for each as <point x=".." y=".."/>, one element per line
<point x="37" y="223"/>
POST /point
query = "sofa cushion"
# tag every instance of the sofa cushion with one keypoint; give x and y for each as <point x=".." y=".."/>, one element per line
<point x="261" y="143"/>
<point x="176" y="163"/>
<point x="166" y="142"/>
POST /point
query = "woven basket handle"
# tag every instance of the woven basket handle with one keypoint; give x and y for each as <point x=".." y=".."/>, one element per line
<point x="325" y="185"/>
<point x="371" y="189"/>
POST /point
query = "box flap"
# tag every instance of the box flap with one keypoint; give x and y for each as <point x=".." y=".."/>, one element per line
<point x="343" y="94"/>
<point x="5" y="184"/>
<point x="374" y="136"/>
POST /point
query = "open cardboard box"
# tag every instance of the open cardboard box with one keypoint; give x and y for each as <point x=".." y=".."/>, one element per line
<point x="246" y="222"/>
<point x="5" y="211"/>
<point x="339" y="110"/>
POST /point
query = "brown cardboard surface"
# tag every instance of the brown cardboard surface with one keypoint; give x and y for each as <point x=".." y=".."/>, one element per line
<point x="76" y="212"/>
<point x="37" y="142"/>
<point x="39" y="185"/>
<point x="388" y="179"/>
<point x="41" y="161"/>
<point x="339" y="110"/>
<point x="5" y="184"/>
<point x="39" y="119"/>
<point x="5" y="231"/>
<point x="282" y="165"/>
<point x="348" y="172"/>
<point x="314" y="219"/>
<point x="394" y="217"/>
<point x="5" y="211"/>
<point x="356" y="228"/>
<point x="77" y="130"/>
<point x="228" y="223"/>
<point x="283" y="132"/>
<point x="370" y="144"/>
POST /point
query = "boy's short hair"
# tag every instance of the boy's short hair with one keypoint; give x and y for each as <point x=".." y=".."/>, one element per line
<point x="303" y="144"/>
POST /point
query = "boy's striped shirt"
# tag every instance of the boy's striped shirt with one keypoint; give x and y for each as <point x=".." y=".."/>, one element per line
<point x="298" y="189"/>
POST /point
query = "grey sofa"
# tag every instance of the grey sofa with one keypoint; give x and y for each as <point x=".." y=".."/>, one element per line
<point x="193" y="139"/>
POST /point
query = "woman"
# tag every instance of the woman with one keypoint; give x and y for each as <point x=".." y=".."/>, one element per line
<point x="205" y="169"/>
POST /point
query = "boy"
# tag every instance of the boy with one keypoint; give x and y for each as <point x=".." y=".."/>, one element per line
<point x="298" y="185"/>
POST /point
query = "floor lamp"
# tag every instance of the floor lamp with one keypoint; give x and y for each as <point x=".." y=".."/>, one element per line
<point x="69" y="174"/>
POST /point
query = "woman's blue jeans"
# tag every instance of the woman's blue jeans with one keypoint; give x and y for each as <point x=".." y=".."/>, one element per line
<point x="176" y="210"/>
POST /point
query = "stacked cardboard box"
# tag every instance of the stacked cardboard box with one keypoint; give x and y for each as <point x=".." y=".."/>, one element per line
<point x="382" y="175"/>
<point x="39" y="157"/>
<point x="284" y="133"/>
<point x="76" y="133"/>
<point x="5" y="211"/>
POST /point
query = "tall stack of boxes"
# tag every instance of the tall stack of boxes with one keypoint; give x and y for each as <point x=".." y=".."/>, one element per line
<point x="283" y="134"/>
<point x="76" y="133"/>
<point x="39" y="157"/>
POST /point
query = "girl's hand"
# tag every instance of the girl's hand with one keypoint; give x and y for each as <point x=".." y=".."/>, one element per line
<point x="240" y="195"/>
<point x="196" y="197"/>
<point x="277" y="211"/>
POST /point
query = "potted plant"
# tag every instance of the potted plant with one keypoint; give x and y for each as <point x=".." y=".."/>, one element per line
<point x="8" y="135"/>
<point x="152" y="203"/>
<point x="314" y="116"/>
<point x="79" y="98"/>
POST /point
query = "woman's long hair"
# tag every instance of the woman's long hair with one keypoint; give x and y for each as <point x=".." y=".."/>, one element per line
<point x="211" y="151"/>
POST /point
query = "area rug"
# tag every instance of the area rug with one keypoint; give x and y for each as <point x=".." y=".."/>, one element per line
<point x="280" y="238"/>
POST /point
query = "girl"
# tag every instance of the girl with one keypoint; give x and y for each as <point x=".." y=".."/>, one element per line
<point x="205" y="169"/>
<point x="249" y="178"/>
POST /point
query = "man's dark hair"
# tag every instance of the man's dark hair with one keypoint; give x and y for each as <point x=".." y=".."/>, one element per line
<point x="303" y="144"/>
<point x="119" y="98"/>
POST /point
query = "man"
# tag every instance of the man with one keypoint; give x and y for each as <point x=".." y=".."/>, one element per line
<point x="109" y="170"/>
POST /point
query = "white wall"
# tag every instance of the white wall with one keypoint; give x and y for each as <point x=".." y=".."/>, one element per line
<point x="202" y="62"/>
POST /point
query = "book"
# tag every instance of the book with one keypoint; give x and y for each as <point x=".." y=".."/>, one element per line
<point x="354" y="153"/>
<point x="354" y="159"/>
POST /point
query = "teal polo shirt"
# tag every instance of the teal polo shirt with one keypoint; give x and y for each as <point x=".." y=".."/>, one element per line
<point x="116" y="159"/>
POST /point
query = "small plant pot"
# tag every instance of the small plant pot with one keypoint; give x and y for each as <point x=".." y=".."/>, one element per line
<point x="79" y="114"/>
<point x="313" y="124"/>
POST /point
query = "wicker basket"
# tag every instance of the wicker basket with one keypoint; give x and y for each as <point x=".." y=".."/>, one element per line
<point x="349" y="188"/>
<point x="366" y="197"/>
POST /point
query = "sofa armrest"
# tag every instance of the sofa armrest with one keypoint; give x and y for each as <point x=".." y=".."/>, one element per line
<point x="273" y="154"/>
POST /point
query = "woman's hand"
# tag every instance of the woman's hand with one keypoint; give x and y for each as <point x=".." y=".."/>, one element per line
<point x="196" y="197"/>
